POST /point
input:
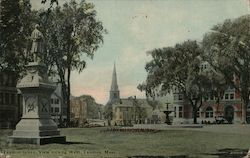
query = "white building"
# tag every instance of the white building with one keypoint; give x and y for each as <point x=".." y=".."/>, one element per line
<point x="58" y="109"/>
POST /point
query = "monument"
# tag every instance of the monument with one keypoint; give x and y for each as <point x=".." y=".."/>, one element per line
<point x="36" y="125"/>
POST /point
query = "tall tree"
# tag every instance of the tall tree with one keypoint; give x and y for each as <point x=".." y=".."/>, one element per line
<point x="71" y="33"/>
<point x="10" y="28"/>
<point x="178" y="67"/>
<point x="15" y="25"/>
<point x="218" y="85"/>
<point x="227" y="49"/>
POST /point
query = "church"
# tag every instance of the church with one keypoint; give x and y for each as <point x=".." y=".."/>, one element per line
<point x="127" y="111"/>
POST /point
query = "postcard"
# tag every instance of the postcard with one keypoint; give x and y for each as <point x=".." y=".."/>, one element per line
<point x="124" y="79"/>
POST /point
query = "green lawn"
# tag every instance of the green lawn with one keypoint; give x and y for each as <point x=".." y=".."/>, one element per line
<point x="93" y="142"/>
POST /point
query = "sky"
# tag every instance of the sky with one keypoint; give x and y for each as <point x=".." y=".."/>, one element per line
<point x="137" y="26"/>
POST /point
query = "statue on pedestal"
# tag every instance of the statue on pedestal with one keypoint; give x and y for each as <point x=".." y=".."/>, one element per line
<point x="37" y="44"/>
<point x="36" y="125"/>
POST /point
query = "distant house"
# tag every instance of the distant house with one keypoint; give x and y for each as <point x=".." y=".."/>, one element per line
<point x="78" y="111"/>
<point x="131" y="111"/>
<point x="58" y="108"/>
<point x="83" y="108"/>
<point x="10" y="100"/>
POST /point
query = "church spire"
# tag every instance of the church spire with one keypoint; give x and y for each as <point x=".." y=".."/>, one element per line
<point x="114" y="85"/>
<point x="114" y="94"/>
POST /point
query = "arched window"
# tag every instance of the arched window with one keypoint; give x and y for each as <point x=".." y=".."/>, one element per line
<point x="209" y="112"/>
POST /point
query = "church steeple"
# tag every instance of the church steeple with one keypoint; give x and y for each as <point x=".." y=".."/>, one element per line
<point x="114" y="94"/>
<point x="114" y="85"/>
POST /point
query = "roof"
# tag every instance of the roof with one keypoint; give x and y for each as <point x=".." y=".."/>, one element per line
<point x="130" y="103"/>
<point x="114" y="85"/>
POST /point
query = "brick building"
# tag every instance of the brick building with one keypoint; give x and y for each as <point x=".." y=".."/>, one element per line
<point x="78" y="111"/>
<point x="10" y="100"/>
<point x="230" y="107"/>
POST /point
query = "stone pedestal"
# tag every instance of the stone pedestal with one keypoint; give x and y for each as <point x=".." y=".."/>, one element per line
<point x="36" y="125"/>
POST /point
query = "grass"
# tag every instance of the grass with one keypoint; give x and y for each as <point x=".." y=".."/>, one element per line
<point x="210" y="141"/>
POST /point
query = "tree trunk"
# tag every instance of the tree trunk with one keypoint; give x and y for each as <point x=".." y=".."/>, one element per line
<point x="245" y="99"/>
<point x="61" y="73"/>
<point x="194" y="109"/>
<point x="217" y="106"/>
<point x="195" y="114"/>
<point x="64" y="87"/>
<point x="68" y="95"/>
<point x="244" y="111"/>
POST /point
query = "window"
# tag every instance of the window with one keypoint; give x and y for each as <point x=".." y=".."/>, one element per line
<point x="232" y="96"/>
<point x="175" y="97"/>
<point x="51" y="100"/>
<point x="64" y="111"/>
<point x="174" y="111"/>
<point x="211" y="97"/>
<point x="13" y="99"/>
<point x="209" y="112"/>
<point x="231" y="87"/>
<point x="1" y="80"/>
<point x="56" y="109"/>
<point x="7" y="98"/>
<point x="201" y="68"/>
<point x="222" y="97"/>
<point x="180" y="111"/>
<point x="226" y="96"/>
<point x="51" y="110"/>
<point x="175" y="90"/>
<point x="180" y="97"/>
<point x="206" y="98"/>
<point x="1" y="98"/>
<point x="56" y="101"/>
